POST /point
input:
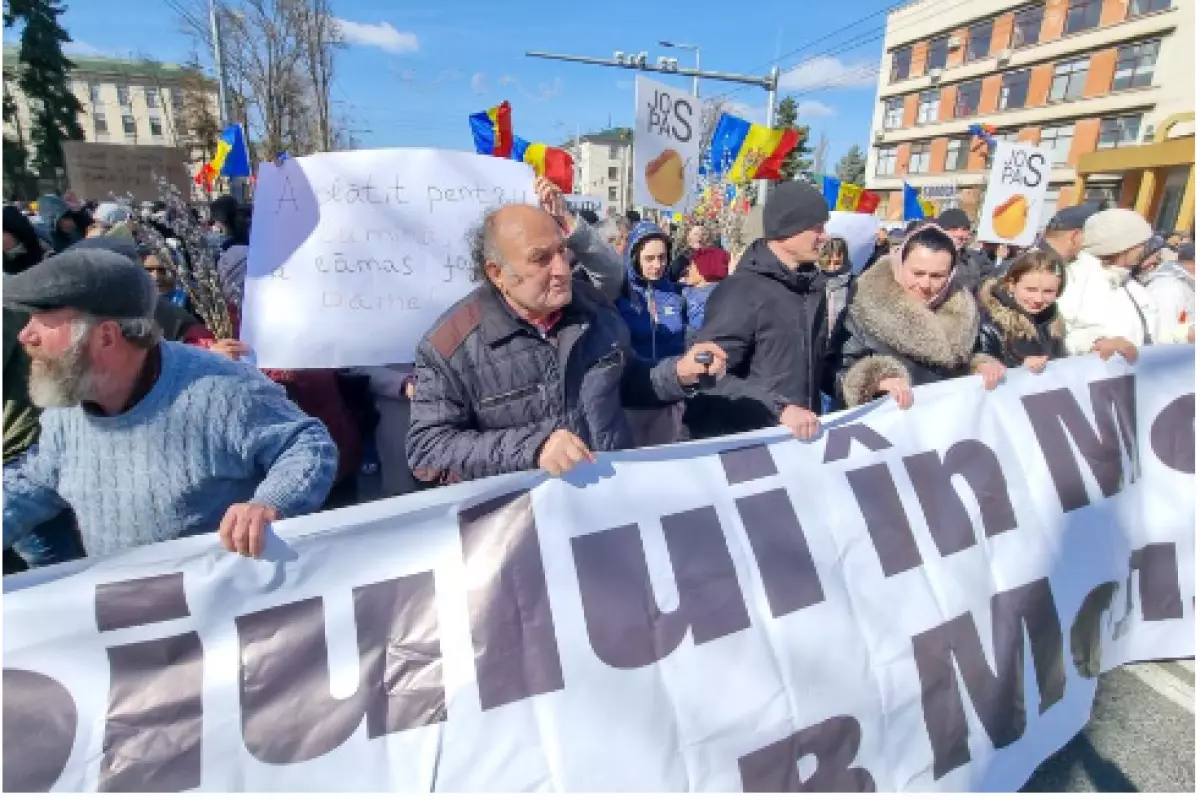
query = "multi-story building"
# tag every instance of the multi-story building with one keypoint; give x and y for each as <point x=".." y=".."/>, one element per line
<point x="1077" y="77"/>
<point x="604" y="167"/>
<point x="131" y="102"/>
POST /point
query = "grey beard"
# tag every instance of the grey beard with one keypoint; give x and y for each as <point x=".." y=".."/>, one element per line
<point x="63" y="382"/>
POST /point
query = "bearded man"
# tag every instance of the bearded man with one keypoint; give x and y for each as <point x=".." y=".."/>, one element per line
<point x="148" y="440"/>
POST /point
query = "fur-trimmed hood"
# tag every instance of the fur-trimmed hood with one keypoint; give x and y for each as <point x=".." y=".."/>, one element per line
<point x="943" y="337"/>
<point x="1012" y="321"/>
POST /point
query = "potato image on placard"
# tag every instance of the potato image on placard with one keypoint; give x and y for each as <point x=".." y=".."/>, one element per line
<point x="664" y="177"/>
<point x="1010" y="217"/>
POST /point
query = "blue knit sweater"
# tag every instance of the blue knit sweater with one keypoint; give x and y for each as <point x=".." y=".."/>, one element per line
<point x="211" y="433"/>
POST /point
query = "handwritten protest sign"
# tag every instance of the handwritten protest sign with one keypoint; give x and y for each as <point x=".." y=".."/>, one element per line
<point x="1015" y="193"/>
<point x="666" y="146"/>
<point x="97" y="170"/>
<point x="354" y="256"/>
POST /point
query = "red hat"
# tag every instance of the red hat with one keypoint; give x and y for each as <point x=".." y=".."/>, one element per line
<point x="712" y="263"/>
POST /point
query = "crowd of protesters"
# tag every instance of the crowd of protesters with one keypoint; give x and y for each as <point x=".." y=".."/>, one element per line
<point x="127" y="421"/>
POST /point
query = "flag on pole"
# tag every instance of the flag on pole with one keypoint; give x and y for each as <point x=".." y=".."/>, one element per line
<point x="554" y="164"/>
<point x="735" y="142"/>
<point x="843" y="196"/>
<point x="915" y="206"/>
<point x="492" y="130"/>
<point x="232" y="158"/>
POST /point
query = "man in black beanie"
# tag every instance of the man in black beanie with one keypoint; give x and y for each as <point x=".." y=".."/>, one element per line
<point x="974" y="266"/>
<point x="769" y="317"/>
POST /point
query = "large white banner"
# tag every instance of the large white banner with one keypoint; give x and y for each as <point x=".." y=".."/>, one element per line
<point x="1016" y="192"/>
<point x="354" y="256"/>
<point x="916" y="601"/>
<point x="666" y="146"/>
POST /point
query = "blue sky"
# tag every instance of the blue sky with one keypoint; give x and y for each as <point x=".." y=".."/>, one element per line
<point x="413" y="71"/>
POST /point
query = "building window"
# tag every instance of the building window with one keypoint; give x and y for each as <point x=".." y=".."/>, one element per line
<point x="94" y="93"/>
<point x="885" y="161"/>
<point x="893" y="113"/>
<point x="129" y="125"/>
<point x="918" y="158"/>
<point x="177" y="98"/>
<point x="1135" y="65"/>
<point x="151" y="96"/>
<point x="123" y="96"/>
<point x="901" y="63"/>
<point x="956" y="154"/>
<point x="1058" y="141"/>
<point x="1119" y="131"/>
<point x="1139" y="7"/>
<point x="614" y="152"/>
<point x="612" y="173"/>
<point x="966" y="101"/>
<point x="1069" y="77"/>
<point x="612" y="193"/>
<point x="100" y="124"/>
<point x="979" y="41"/>
<point x="938" y="49"/>
<point x="1027" y="26"/>
<point x="927" y="107"/>
<point x="156" y="127"/>
<point x="1082" y="15"/>
<point x="1014" y="89"/>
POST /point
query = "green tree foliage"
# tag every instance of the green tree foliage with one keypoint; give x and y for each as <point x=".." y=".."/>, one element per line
<point x="799" y="162"/>
<point x="853" y="166"/>
<point x="42" y="77"/>
<point x="19" y="182"/>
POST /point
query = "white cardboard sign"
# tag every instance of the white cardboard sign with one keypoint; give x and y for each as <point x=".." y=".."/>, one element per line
<point x="1015" y="193"/>
<point x="666" y="146"/>
<point x="354" y="256"/>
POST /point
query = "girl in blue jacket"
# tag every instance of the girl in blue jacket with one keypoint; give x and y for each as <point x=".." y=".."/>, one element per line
<point x="652" y="306"/>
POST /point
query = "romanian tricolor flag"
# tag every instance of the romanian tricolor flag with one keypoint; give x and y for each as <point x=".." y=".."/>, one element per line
<point x="492" y="130"/>
<point x="232" y="158"/>
<point x="554" y="164"/>
<point x="736" y="143"/>
<point x="843" y="196"/>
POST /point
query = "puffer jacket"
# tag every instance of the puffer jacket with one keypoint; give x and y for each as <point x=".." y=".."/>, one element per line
<point x="770" y="321"/>
<point x="654" y="311"/>
<point x="491" y="388"/>
<point x="1099" y="302"/>
<point x="1010" y="334"/>
<point x="887" y="334"/>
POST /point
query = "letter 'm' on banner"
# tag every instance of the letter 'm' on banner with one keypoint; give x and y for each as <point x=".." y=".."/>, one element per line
<point x="40" y="718"/>
<point x="289" y="714"/>
<point x="998" y="698"/>
<point x="1054" y="415"/>
<point x="932" y="478"/>
<point x="624" y="622"/>
<point x="512" y="627"/>
<point x="834" y="743"/>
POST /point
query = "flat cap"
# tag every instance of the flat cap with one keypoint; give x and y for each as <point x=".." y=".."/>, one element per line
<point x="94" y="281"/>
<point x="1072" y="218"/>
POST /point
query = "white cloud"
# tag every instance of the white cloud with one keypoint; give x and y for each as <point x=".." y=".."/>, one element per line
<point x="506" y="80"/>
<point x="807" y="109"/>
<point x="78" y="48"/>
<point x="746" y="111"/>
<point x="827" y="72"/>
<point x="479" y="83"/>
<point x="380" y="34"/>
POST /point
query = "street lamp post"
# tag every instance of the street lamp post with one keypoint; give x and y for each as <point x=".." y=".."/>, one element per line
<point x="695" y="48"/>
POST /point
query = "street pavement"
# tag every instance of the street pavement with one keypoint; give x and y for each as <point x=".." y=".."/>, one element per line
<point x="1142" y="735"/>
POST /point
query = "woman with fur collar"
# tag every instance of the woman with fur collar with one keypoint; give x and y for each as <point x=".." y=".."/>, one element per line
<point x="909" y="324"/>
<point x="1020" y="324"/>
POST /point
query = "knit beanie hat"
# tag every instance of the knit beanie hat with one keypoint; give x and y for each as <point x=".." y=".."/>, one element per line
<point x="793" y="207"/>
<point x="953" y="218"/>
<point x="712" y="263"/>
<point x="1114" y="231"/>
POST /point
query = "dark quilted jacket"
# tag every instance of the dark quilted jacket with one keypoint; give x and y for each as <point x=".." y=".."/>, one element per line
<point x="490" y="388"/>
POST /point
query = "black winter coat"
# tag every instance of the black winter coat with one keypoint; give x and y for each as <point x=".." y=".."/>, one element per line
<point x="1011" y="335"/>
<point x="490" y="389"/>
<point x="771" y="323"/>
<point x="974" y="267"/>
<point x="885" y="333"/>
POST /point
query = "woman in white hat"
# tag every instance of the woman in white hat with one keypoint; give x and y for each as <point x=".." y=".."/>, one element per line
<point x="1105" y="312"/>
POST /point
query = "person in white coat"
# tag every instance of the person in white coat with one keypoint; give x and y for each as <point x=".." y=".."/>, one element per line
<point x="1104" y="310"/>
<point x="1172" y="285"/>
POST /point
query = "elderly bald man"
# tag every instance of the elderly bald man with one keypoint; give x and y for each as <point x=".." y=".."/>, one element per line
<point x="531" y="369"/>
